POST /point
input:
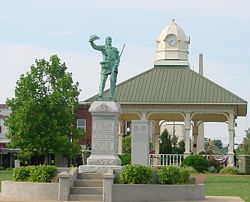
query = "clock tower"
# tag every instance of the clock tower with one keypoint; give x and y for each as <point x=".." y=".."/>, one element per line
<point x="172" y="47"/>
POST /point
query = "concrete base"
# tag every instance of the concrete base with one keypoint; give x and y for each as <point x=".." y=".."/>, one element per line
<point x="29" y="190"/>
<point x="103" y="160"/>
<point x="153" y="192"/>
<point x="99" y="168"/>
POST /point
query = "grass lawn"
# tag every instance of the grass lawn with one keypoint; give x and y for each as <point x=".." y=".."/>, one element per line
<point x="5" y="175"/>
<point x="228" y="185"/>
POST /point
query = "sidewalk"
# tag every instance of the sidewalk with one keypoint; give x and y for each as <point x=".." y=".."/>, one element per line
<point x="220" y="199"/>
<point x="208" y="199"/>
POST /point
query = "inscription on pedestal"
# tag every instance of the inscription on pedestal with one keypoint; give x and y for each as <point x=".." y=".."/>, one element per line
<point x="103" y="137"/>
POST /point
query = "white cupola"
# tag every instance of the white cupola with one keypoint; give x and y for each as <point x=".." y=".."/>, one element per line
<point x="172" y="46"/>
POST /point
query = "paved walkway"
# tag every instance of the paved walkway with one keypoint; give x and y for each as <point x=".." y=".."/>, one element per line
<point x="208" y="199"/>
<point x="220" y="198"/>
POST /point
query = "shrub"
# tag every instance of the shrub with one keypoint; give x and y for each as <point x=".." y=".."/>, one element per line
<point x="168" y="175"/>
<point x="215" y="166"/>
<point x="42" y="173"/>
<point x="125" y="159"/>
<point x="173" y="175"/>
<point x="155" y="179"/>
<point x="190" y="169"/>
<point x="212" y="169"/>
<point x="135" y="174"/>
<point x="199" y="163"/>
<point x="21" y="174"/>
<point x="184" y="176"/>
<point x="230" y="170"/>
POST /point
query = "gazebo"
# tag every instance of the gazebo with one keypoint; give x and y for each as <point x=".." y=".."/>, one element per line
<point x="171" y="91"/>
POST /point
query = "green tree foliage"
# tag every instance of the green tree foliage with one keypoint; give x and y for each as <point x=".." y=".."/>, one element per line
<point x="181" y="147"/>
<point x="215" y="147"/>
<point x="43" y="110"/>
<point x="166" y="143"/>
<point x="126" y="145"/>
<point x="126" y="151"/>
<point x="199" y="163"/>
<point x="218" y="144"/>
<point x="125" y="158"/>
<point x="245" y="147"/>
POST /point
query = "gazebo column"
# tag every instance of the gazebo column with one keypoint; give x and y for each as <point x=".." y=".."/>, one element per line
<point x="231" y="130"/>
<point x="157" y="137"/>
<point x="195" y="137"/>
<point x="187" y="134"/>
<point x="200" y="138"/>
<point x="120" y="137"/>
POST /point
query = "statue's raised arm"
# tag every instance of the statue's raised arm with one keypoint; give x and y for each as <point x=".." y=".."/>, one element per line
<point x="93" y="38"/>
<point x="109" y="65"/>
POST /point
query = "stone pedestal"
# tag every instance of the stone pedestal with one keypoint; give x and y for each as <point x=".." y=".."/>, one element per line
<point x="140" y="142"/>
<point x="104" y="146"/>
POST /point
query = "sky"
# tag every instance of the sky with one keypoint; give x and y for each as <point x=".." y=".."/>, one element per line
<point x="219" y="29"/>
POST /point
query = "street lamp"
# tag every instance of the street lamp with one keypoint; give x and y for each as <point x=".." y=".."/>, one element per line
<point x="128" y="131"/>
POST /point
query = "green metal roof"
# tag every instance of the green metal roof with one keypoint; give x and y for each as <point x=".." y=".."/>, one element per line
<point x="173" y="85"/>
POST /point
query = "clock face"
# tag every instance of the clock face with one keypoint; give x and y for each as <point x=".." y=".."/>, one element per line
<point x="171" y="40"/>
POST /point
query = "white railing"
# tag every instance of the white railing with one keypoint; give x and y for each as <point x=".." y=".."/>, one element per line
<point x="165" y="159"/>
<point x="157" y="160"/>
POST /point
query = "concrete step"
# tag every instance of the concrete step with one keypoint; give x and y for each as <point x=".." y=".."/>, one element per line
<point x="84" y="201"/>
<point x="86" y="190"/>
<point x="88" y="183"/>
<point x="89" y="176"/>
<point x="84" y="197"/>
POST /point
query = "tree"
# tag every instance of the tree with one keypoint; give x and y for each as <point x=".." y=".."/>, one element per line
<point x="43" y="110"/>
<point x="174" y="142"/>
<point x="245" y="147"/>
<point x="218" y="144"/>
<point x="126" y="145"/>
<point x="166" y="145"/>
<point x="181" y="147"/>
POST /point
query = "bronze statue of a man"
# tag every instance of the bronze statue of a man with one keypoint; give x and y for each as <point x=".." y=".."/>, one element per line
<point x="109" y="65"/>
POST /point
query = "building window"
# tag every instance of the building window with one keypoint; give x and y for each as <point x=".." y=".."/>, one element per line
<point x="81" y="124"/>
